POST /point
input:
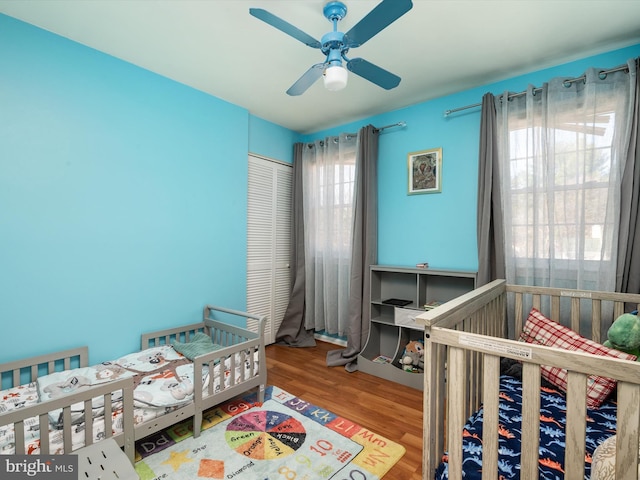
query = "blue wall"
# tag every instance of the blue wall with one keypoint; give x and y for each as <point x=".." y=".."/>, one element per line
<point x="440" y="228"/>
<point x="271" y="140"/>
<point x="123" y="194"/>
<point x="123" y="197"/>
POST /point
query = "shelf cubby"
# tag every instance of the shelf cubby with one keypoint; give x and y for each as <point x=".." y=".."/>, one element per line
<point x="386" y="339"/>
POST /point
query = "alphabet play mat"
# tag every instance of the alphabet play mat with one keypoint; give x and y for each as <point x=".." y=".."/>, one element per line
<point x="284" y="438"/>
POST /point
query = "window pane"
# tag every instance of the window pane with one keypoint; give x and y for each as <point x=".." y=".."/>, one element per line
<point x="572" y="170"/>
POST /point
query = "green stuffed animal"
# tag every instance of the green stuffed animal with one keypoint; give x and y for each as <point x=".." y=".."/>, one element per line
<point x="624" y="334"/>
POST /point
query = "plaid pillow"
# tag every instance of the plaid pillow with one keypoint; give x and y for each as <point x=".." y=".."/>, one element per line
<point x="540" y="330"/>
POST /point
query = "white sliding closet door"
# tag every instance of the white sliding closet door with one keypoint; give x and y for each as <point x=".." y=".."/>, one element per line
<point x="268" y="242"/>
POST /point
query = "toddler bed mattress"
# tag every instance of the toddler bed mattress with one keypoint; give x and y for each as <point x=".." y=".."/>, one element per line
<point x="163" y="381"/>
<point x="600" y="425"/>
<point x="163" y="378"/>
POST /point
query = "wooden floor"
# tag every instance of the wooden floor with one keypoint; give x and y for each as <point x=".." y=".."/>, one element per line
<point x="387" y="408"/>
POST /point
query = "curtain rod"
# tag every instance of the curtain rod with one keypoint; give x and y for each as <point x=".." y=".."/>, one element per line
<point x="377" y="129"/>
<point x="566" y="83"/>
<point x="398" y="124"/>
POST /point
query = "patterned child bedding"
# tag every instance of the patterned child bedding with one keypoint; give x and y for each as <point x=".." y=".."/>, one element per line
<point x="163" y="380"/>
<point x="18" y="397"/>
<point x="600" y="425"/>
<point x="12" y="399"/>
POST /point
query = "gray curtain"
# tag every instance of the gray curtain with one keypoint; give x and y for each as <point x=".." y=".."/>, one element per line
<point x="365" y="249"/>
<point x="628" y="269"/>
<point x="365" y="253"/>
<point x="490" y="222"/>
<point x="292" y="331"/>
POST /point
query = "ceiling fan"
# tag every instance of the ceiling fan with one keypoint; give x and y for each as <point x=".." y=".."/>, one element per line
<point x="335" y="45"/>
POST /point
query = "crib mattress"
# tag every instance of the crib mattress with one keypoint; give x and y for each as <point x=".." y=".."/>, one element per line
<point x="600" y="426"/>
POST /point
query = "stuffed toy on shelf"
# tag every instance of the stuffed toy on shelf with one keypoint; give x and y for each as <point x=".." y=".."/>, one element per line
<point x="412" y="359"/>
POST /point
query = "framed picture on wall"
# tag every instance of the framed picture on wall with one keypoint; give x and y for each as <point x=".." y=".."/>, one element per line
<point x="425" y="171"/>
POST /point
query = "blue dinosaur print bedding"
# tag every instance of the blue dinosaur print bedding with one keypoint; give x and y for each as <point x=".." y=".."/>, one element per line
<point x="600" y="426"/>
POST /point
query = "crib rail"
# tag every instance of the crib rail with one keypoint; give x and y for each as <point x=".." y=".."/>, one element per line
<point x="579" y="365"/>
<point x="480" y="311"/>
<point x="464" y="342"/>
<point x="570" y="307"/>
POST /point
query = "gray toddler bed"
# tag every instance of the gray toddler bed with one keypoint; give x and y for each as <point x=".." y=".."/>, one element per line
<point x="43" y="393"/>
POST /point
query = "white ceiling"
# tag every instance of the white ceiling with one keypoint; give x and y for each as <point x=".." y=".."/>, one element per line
<point x="439" y="47"/>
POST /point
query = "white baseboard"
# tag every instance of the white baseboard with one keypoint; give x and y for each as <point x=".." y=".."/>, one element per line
<point x="330" y="339"/>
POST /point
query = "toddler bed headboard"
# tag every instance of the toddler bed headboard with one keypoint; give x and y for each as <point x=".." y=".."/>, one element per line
<point x="465" y="340"/>
<point x="20" y="372"/>
<point x="25" y="371"/>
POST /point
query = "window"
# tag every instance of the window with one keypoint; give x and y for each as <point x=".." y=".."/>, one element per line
<point x="328" y="185"/>
<point x="335" y="209"/>
<point x="560" y="162"/>
<point x="562" y="197"/>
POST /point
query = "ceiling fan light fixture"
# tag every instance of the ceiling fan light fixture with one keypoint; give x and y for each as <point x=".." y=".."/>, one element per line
<point x="335" y="78"/>
<point x="335" y="44"/>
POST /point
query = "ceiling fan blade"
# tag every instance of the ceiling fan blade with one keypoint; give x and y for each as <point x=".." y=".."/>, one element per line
<point x="387" y="12"/>
<point x="306" y="80"/>
<point x="285" y="27"/>
<point x="373" y="73"/>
